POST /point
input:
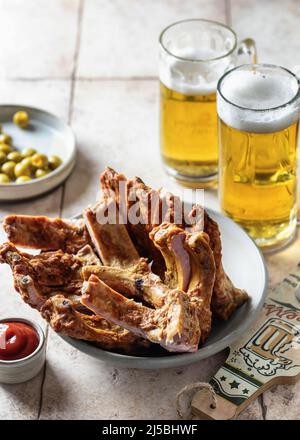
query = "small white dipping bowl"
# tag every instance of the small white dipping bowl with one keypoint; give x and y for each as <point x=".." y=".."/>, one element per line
<point x="26" y="368"/>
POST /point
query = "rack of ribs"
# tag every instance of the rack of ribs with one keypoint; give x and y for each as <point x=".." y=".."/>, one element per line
<point x="125" y="284"/>
<point x="51" y="282"/>
<point x="226" y="298"/>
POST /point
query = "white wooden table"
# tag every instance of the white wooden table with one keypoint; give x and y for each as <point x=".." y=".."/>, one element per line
<point x="94" y="63"/>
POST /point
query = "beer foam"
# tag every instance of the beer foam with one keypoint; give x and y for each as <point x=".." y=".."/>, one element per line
<point x="259" y="93"/>
<point x="193" y="77"/>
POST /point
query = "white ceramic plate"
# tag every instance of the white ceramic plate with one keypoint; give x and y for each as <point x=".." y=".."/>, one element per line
<point x="49" y="135"/>
<point x="245" y="265"/>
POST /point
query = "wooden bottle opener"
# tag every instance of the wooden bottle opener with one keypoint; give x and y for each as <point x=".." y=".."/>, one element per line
<point x="268" y="354"/>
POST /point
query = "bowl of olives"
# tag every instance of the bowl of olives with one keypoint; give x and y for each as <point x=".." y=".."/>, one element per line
<point x="37" y="152"/>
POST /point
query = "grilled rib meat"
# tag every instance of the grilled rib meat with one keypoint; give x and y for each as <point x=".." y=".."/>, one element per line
<point x="190" y="267"/>
<point x="134" y="203"/>
<point x="46" y="234"/>
<point x="226" y="297"/>
<point x="88" y="257"/>
<point x="172" y="266"/>
<point x="111" y="241"/>
<point x="131" y="282"/>
<point x="174" y="326"/>
<point x="63" y="317"/>
<point x="37" y="277"/>
<point x="51" y="282"/>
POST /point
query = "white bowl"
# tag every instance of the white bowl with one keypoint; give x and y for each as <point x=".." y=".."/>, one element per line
<point x="48" y="135"/>
<point x="22" y="370"/>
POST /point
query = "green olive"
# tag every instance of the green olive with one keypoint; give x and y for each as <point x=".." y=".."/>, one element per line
<point x="15" y="156"/>
<point x="5" y="148"/>
<point x="9" y="168"/>
<point x="4" y="178"/>
<point x="21" y="119"/>
<point x="2" y="157"/>
<point x="27" y="162"/>
<point x="22" y="179"/>
<point x="5" y="138"/>
<point x="54" y="162"/>
<point x="41" y="173"/>
<point x="39" y="160"/>
<point x="28" y="152"/>
<point x="23" y="168"/>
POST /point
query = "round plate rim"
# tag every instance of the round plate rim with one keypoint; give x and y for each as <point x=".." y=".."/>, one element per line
<point x="182" y="359"/>
<point x="55" y="173"/>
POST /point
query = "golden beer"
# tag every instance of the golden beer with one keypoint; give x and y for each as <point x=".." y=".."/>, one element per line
<point x="258" y="181"/>
<point x="188" y="130"/>
<point x="258" y="151"/>
<point x="194" y="54"/>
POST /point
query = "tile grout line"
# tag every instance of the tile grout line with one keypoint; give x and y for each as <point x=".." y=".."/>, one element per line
<point x="228" y="12"/>
<point x="34" y="78"/>
<point x="73" y="82"/>
<point x="263" y="405"/>
<point x="76" y="55"/>
<point x="63" y="187"/>
<point x="118" y="78"/>
<point x="43" y="376"/>
<point x="83" y="78"/>
<point x="71" y="101"/>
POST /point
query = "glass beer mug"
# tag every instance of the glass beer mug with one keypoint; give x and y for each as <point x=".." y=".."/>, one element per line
<point x="258" y="108"/>
<point x="194" y="54"/>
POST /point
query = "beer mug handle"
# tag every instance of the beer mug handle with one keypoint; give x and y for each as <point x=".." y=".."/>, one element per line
<point x="248" y="47"/>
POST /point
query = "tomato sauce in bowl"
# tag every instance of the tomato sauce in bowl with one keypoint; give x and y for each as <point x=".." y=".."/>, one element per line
<point x="17" y="340"/>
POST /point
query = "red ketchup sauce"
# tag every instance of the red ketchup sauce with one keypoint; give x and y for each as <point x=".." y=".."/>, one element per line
<point x="17" y="340"/>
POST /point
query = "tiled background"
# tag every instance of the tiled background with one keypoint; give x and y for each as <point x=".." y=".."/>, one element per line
<point x="94" y="63"/>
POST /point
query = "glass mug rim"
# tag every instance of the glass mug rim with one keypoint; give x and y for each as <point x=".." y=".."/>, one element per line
<point x="259" y="65"/>
<point x="199" y="20"/>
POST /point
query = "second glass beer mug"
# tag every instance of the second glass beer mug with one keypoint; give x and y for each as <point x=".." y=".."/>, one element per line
<point x="258" y="108"/>
<point x="194" y="54"/>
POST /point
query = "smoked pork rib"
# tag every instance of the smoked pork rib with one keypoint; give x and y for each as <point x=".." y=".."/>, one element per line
<point x="46" y="234"/>
<point x="88" y="257"/>
<point x="131" y="282"/>
<point x="63" y="317"/>
<point x="226" y="297"/>
<point x="37" y="277"/>
<point x="111" y="240"/>
<point x="190" y="267"/>
<point x="111" y="185"/>
<point x="134" y="203"/>
<point x="174" y="326"/>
